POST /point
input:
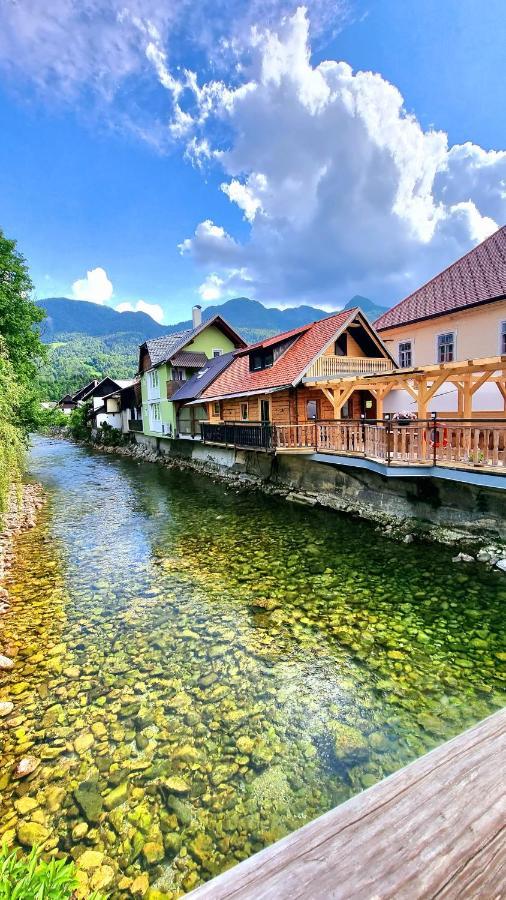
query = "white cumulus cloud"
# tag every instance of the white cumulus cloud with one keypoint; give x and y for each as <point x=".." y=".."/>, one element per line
<point x="344" y="192"/>
<point x="152" y="309"/>
<point x="95" y="287"/>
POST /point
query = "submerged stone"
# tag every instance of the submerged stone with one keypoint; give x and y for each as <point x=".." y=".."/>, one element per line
<point x="27" y="766"/>
<point x="89" y="800"/>
<point x="32" y="834"/>
<point x="347" y="740"/>
<point x="117" y="796"/>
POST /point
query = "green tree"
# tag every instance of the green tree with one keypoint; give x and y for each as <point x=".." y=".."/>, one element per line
<point x="12" y="443"/>
<point x="19" y="315"/>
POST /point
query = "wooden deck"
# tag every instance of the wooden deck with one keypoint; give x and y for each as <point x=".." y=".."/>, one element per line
<point x="436" y="828"/>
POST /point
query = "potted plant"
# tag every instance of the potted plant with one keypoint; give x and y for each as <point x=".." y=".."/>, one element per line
<point x="479" y="458"/>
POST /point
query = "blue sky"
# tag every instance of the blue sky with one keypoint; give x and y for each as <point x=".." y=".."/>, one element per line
<point x="264" y="172"/>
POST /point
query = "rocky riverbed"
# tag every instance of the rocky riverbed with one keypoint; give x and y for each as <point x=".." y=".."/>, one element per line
<point x="196" y="672"/>
<point x="25" y="500"/>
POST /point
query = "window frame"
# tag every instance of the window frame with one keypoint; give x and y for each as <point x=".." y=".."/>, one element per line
<point x="439" y="346"/>
<point x="401" y="349"/>
<point x="502" y="338"/>
<point x="244" y="408"/>
<point x="216" y="351"/>
<point x="217" y="408"/>
<point x="316" y="416"/>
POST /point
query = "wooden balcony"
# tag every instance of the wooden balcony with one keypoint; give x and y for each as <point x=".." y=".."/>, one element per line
<point x="454" y="443"/>
<point x="449" y="442"/>
<point x="337" y="366"/>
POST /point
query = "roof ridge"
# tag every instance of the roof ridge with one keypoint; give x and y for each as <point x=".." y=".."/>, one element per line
<point x="442" y="272"/>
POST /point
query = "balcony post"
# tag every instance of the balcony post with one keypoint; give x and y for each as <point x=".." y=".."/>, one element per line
<point x="388" y="425"/>
<point x="434" y="438"/>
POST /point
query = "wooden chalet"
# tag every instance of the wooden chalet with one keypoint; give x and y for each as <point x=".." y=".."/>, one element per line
<point x="281" y="380"/>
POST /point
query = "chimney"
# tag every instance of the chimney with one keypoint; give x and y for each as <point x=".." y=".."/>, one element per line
<point x="197" y="316"/>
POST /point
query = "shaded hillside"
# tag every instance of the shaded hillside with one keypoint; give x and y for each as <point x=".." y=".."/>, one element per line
<point x="82" y="317"/>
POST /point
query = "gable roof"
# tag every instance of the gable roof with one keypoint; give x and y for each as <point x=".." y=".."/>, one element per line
<point x="309" y="341"/>
<point x="162" y="349"/>
<point x="477" y="277"/>
<point x="195" y="386"/>
<point x="84" y="390"/>
<point x="117" y="382"/>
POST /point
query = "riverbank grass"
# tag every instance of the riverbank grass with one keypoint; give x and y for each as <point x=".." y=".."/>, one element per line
<point x="29" y="877"/>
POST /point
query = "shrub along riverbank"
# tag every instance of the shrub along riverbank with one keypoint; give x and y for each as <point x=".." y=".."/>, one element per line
<point x="21" y="353"/>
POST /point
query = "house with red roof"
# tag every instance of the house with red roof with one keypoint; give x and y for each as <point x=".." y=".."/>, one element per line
<point x="265" y="382"/>
<point x="459" y="315"/>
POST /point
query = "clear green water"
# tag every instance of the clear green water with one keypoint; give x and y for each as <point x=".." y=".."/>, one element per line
<point x="231" y="667"/>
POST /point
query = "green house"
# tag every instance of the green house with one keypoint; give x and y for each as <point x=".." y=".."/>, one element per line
<point x="165" y="363"/>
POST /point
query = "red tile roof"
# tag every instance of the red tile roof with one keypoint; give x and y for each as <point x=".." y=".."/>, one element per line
<point x="290" y="366"/>
<point x="277" y="338"/>
<point x="478" y="276"/>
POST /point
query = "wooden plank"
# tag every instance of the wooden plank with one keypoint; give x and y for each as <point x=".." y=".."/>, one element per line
<point x="434" y="829"/>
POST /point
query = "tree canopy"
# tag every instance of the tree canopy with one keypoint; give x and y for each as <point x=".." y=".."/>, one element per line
<point x="19" y="315"/>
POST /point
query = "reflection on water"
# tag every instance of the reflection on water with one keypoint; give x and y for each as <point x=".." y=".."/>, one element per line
<point x="200" y="672"/>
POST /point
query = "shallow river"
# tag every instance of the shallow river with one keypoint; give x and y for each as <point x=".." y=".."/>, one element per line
<point x="201" y="671"/>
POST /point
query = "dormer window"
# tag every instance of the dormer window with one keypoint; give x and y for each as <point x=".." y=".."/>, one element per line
<point x="263" y="358"/>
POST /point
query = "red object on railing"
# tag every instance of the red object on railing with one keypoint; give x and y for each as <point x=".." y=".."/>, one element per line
<point x="438" y="442"/>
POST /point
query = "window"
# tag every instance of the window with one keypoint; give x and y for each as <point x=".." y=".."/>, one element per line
<point x="216" y="408"/>
<point x="265" y="411"/>
<point x="178" y="374"/>
<point x="312" y="409"/>
<point x="261" y="359"/>
<point x="217" y="353"/>
<point x="341" y="345"/>
<point x="155" y="412"/>
<point x="244" y="412"/>
<point x="153" y="378"/>
<point x="446" y="347"/>
<point x="405" y="354"/>
<point x="502" y="346"/>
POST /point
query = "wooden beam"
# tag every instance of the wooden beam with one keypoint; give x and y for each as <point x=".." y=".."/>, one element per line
<point x="430" y="391"/>
<point x="479" y="382"/>
<point x="501" y="387"/>
<point x="468" y="400"/>
<point x="432" y="829"/>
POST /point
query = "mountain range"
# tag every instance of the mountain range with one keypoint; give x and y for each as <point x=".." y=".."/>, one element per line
<point x="66" y="316"/>
<point x="87" y="340"/>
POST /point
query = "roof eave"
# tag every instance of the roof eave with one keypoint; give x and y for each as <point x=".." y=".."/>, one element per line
<point x="439" y="315"/>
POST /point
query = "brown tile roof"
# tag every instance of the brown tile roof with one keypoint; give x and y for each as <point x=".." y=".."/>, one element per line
<point x="191" y="359"/>
<point x="290" y="366"/>
<point x="478" y="276"/>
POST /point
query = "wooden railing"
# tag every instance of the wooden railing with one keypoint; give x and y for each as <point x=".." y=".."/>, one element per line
<point x="331" y="366"/>
<point x="428" y="442"/>
<point x="254" y="435"/>
<point x="436" y="442"/>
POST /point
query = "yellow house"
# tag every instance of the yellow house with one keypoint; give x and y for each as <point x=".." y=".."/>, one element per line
<point x="458" y="315"/>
